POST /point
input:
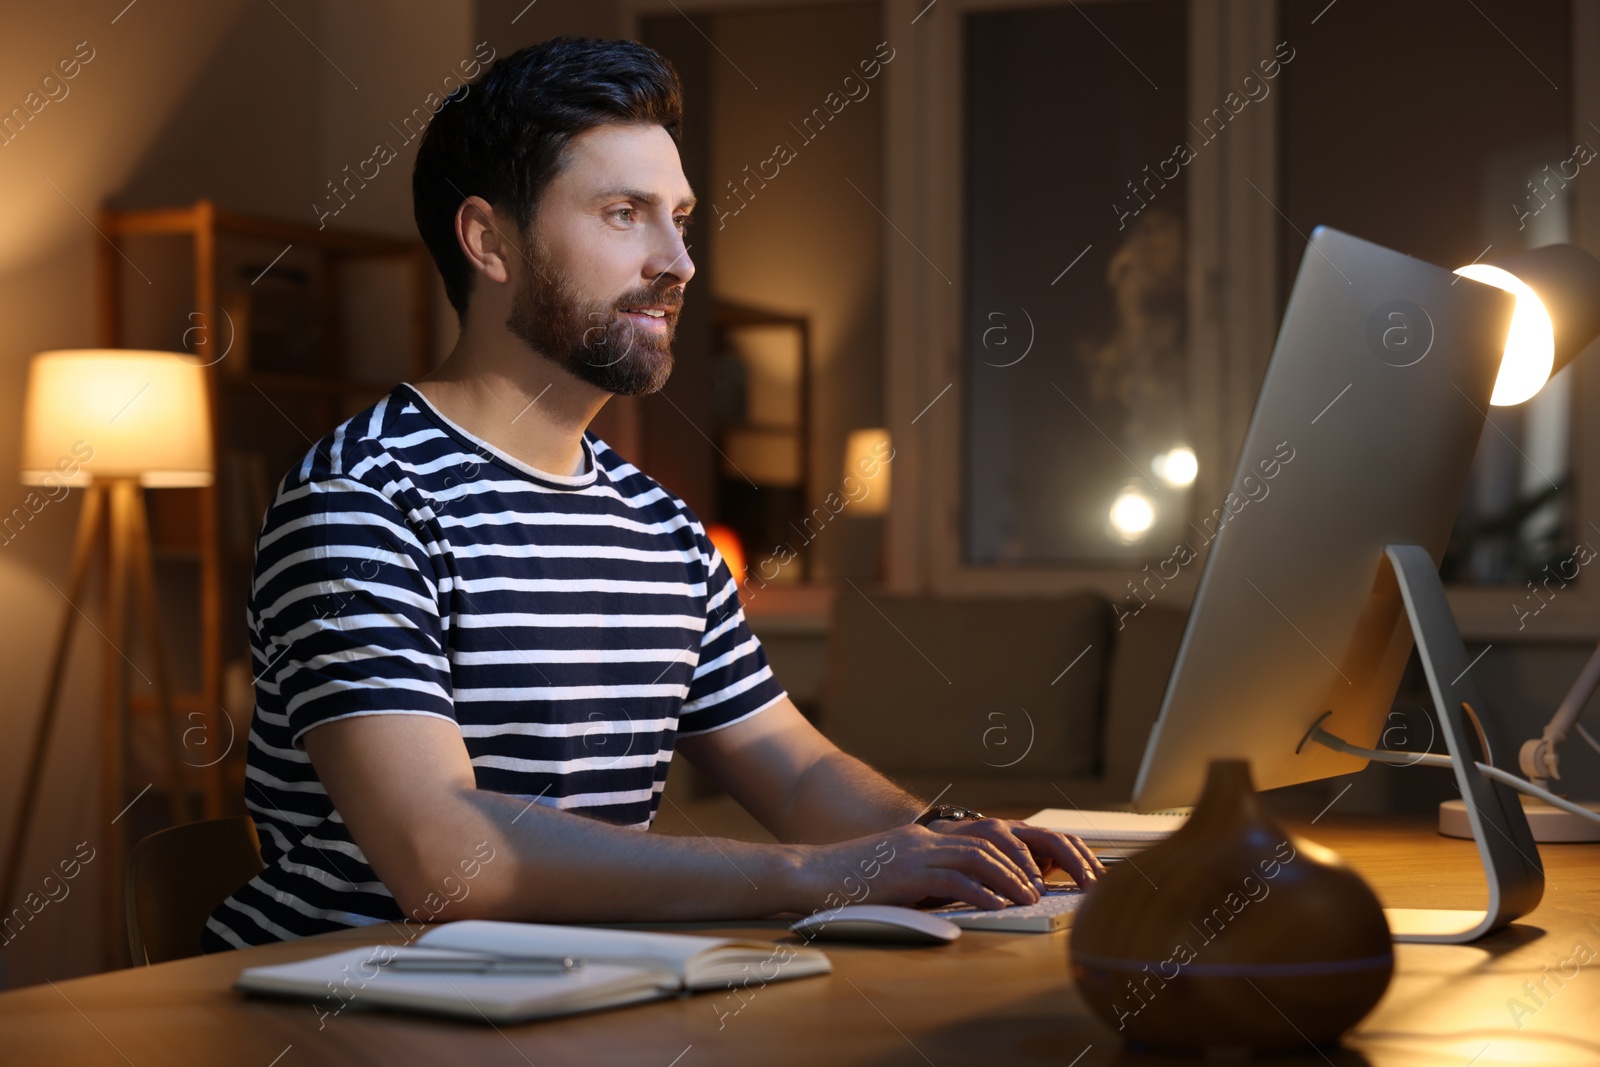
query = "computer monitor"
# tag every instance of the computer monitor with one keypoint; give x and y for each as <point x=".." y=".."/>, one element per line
<point x="1361" y="438"/>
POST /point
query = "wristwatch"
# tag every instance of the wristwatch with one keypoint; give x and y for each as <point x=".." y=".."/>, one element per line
<point x="947" y="811"/>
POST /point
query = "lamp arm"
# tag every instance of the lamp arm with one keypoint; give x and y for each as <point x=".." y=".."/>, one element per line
<point x="1539" y="759"/>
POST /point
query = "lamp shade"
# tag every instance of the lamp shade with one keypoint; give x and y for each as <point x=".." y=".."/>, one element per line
<point x="1557" y="314"/>
<point x="866" y="471"/>
<point x="116" y="413"/>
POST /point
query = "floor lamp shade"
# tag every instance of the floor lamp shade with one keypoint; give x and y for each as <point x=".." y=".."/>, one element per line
<point x="116" y="413"/>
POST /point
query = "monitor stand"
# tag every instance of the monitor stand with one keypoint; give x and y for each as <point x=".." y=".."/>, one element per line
<point x="1505" y="843"/>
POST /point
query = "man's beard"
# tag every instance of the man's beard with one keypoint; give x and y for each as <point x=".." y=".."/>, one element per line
<point x="596" y="342"/>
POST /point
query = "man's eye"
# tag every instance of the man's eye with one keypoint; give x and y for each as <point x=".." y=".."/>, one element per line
<point x="624" y="211"/>
<point x="684" y="222"/>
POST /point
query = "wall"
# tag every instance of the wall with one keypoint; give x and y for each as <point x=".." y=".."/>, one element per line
<point x="71" y="157"/>
<point x="226" y="99"/>
<point x="806" y="242"/>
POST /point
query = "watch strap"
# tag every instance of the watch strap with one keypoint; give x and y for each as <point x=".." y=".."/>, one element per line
<point x="947" y="811"/>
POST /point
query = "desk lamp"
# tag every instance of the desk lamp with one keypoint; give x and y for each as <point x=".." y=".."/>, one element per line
<point x="1557" y="315"/>
<point x="113" y="422"/>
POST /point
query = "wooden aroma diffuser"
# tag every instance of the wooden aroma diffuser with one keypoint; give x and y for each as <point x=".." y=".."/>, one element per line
<point x="1231" y="934"/>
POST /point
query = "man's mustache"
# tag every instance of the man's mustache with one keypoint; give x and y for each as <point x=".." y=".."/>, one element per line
<point x="671" y="297"/>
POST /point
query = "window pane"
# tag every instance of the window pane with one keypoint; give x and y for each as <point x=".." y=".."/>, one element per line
<point x="1433" y="137"/>
<point x="1074" y="359"/>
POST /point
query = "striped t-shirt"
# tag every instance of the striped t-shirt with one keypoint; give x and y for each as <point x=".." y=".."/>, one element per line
<point x="572" y="627"/>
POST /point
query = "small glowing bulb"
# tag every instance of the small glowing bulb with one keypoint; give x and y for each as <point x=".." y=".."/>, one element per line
<point x="1132" y="515"/>
<point x="1530" y="352"/>
<point x="1177" y="468"/>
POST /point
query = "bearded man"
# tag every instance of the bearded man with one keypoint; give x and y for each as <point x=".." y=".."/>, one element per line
<point x="480" y="635"/>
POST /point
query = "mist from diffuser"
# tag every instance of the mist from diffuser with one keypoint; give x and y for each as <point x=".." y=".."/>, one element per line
<point x="1530" y="343"/>
<point x="1132" y="515"/>
<point x="146" y="415"/>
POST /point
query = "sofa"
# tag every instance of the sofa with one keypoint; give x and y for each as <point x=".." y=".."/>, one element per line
<point x="1008" y="703"/>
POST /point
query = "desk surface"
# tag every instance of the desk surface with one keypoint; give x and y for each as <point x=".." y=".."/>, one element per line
<point x="988" y="998"/>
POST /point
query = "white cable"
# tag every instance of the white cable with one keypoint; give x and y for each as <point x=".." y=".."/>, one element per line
<point x="1534" y="791"/>
<point x="1587" y="736"/>
<point x="1409" y="759"/>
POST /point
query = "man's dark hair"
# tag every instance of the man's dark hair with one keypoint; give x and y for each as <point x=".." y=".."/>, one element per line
<point x="503" y="136"/>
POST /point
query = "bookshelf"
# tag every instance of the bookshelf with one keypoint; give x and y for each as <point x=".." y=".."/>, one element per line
<point x="299" y="328"/>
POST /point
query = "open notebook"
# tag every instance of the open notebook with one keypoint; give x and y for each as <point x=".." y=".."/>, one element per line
<point x="616" y="967"/>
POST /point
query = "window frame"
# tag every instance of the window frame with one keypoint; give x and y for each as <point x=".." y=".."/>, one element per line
<point x="1232" y="238"/>
<point x="1230" y="233"/>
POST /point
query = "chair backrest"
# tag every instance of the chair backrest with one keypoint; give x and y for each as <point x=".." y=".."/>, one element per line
<point x="178" y="876"/>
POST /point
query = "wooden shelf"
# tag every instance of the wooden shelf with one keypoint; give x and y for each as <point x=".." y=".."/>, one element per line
<point x="205" y="215"/>
<point x="305" y="383"/>
<point x="182" y="704"/>
<point x="202" y="528"/>
<point x="190" y="554"/>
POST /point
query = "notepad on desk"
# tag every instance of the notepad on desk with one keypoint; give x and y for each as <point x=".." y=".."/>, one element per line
<point x="609" y="968"/>
<point x="1114" y="831"/>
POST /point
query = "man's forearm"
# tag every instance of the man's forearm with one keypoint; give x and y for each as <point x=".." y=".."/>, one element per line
<point x="839" y="797"/>
<point x="448" y="850"/>
<point x="554" y="866"/>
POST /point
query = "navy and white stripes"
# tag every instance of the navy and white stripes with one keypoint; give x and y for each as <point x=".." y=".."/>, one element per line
<point x="571" y="627"/>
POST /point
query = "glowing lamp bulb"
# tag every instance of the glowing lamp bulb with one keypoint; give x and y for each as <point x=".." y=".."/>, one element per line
<point x="1178" y="467"/>
<point x="1132" y="515"/>
<point x="1530" y="343"/>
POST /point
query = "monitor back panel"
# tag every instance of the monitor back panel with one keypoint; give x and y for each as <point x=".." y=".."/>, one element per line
<point x="1362" y="435"/>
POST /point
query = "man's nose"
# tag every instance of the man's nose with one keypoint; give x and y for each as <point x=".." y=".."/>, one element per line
<point x="675" y="262"/>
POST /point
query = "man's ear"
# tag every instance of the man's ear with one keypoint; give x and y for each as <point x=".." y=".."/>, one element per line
<point x="483" y="239"/>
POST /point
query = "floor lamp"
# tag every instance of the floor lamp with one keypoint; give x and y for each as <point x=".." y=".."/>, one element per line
<point x="113" y="422"/>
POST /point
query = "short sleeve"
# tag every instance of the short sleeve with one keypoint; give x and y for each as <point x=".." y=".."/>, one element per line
<point x="345" y="603"/>
<point x="732" y="680"/>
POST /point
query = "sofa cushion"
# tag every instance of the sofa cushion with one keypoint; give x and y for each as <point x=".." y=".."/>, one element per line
<point x="969" y="687"/>
<point x="1146" y="646"/>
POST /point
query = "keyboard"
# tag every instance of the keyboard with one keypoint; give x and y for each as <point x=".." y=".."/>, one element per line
<point x="1055" y="911"/>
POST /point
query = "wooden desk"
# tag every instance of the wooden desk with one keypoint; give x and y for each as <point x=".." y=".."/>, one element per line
<point x="988" y="998"/>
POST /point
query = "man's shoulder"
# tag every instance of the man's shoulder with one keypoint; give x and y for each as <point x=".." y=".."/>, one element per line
<point x="635" y="486"/>
<point x="361" y="465"/>
<point x="370" y="446"/>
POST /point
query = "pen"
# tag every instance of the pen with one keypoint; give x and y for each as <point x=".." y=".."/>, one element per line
<point x="504" y="965"/>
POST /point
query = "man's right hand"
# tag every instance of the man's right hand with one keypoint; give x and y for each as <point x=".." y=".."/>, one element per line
<point x="908" y="864"/>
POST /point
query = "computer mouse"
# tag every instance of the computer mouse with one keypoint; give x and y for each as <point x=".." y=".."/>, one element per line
<point x="877" y="922"/>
